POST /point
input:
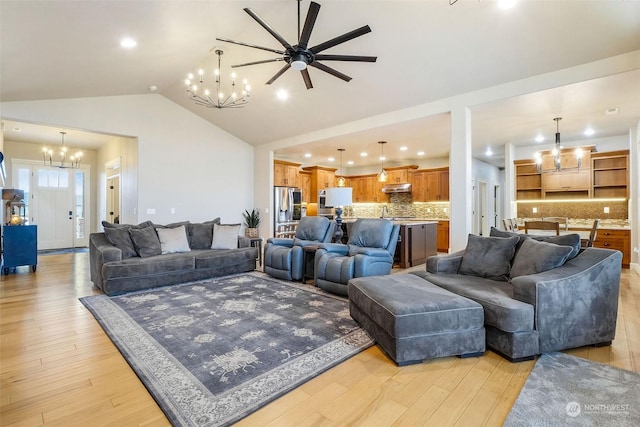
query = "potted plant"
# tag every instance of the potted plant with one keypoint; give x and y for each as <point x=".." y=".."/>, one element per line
<point x="252" y="221"/>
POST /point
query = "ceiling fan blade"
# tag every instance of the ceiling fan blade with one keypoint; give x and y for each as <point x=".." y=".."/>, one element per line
<point x="330" y="70"/>
<point x="346" y="58"/>
<point x="279" y="73"/>
<point x="264" y="61"/>
<point x="310" y="21"/>
<point x="266" y="26"/>
<point x="307" y="78"/>
<point x="341" y="39"/>
<point x="268" y="49"/>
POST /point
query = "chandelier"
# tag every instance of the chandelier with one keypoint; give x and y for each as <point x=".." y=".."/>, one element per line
<point x="74" y="159"/>
<point x="341" y="179"/>
<point x="556" y="152"/>
<point x="382" y="175"/>
<point x="215" y="97"/>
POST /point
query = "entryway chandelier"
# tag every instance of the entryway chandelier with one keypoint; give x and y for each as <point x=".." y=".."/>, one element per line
<point x="73" y="160"/>
<point x="556" y="151"/>
<point x="341" y="180"/>
<point x="215" y="97"/>
<point x="382" y="175"/>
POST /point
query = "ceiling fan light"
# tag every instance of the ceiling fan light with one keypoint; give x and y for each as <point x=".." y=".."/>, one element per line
<point x="298" y="65"/>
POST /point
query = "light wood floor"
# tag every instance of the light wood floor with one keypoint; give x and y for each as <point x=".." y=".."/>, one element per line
<point x="58" y="367"/>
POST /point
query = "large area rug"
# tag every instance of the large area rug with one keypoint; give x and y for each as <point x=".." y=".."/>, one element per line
<point x="565" y="390"/>
<point x="212" y="352"/>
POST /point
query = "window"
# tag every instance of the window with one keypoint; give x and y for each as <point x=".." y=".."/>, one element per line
<point x="79" y="204"/>
<point x="51" y="178"/>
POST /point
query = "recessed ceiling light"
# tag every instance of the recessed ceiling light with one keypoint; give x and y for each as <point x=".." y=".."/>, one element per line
<point x="153" y="88"/>
<point x="330" y="159"/>
<point x="403" y="148"/>
<point x="506" y="4"/>
<point x="539" y="138"/>
<point x="128" y="43"/>
<point x="307" y="155"/>
<point x="488" y="152"/>
<point x="363" y="154"/>
<point x="350" y="162"/>
<point x="382" y="158"/>
<point x="420" y="153"/>
<point x="589" y="132"/>
<point x="282" y="95"/>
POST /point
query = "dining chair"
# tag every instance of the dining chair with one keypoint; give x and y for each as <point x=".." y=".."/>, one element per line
<point x="542" y="225"/>
<point x="506" y="222"/>
<point x="588" y="243"/>
<point x="514" y="224"/>
<point x="559" y="219"/>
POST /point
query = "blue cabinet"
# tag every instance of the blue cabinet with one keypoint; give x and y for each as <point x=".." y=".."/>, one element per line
<point x="20" y="247"/>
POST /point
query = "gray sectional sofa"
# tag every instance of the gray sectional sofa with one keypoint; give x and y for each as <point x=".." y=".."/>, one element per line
<point x="538" y="295"/>
<point x="127" y="258"/>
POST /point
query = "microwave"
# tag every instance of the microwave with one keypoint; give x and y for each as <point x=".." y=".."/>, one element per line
<point x="323" y="209"/>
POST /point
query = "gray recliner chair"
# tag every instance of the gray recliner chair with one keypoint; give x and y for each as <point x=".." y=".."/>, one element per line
<point x="369" y="252"/>
<point x="283" y="257"/>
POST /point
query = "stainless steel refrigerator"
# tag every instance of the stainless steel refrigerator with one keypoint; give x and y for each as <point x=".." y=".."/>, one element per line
<point x="287" y="210"/>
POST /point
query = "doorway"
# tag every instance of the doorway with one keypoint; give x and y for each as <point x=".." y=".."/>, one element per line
<point x="112" y="172"/>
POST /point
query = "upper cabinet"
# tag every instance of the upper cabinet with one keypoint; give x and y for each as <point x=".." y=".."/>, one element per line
<point x="304" y="177"/>
<point x="610" y="174"/>
<point x="600" y="175"/>
<point x="321" y="178"/>
<point x="430" y="185"/>
<point x="285" y="173"/>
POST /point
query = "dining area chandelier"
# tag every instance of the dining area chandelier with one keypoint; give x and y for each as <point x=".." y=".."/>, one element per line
<point x="211" y="93"/>
<point x="556" y="152"/>
<point x="65" y="159"/>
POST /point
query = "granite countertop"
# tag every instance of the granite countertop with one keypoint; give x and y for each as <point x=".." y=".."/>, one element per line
<point x="577" y="223"/>
<point x="402" y="220"/>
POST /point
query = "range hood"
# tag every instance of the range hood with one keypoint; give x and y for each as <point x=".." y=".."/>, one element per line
<point x="397" y="188"/>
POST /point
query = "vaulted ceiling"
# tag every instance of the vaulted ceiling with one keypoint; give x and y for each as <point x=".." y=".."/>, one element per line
<point x="427" y="50"/>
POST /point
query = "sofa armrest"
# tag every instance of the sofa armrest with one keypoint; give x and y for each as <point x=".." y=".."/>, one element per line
<point x="445" y="264"/>
<point x="101" y="251"/>
<point x="575" y="304"/>
<point x="372" y="252"/>
<point x="280" y="241"/>
<point x="334" y="248"/>
<point x="244" y="242"/>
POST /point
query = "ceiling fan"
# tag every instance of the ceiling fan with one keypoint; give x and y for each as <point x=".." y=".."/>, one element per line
<point x="300" y="56"/>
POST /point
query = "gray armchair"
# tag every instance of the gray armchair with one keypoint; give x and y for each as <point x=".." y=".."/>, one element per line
<point x="369" y="252"/>
<point x="283" y="257"/>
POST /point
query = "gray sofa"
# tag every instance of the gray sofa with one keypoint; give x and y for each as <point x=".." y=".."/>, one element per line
<point x="539" y="308"/>
<point x="118" y="265"/>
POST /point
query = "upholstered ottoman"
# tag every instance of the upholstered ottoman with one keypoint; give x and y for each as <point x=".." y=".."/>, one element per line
<point x="412" y="319"/>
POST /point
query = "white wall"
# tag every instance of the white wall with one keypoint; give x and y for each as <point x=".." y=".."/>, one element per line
<point x="184" y="162"/>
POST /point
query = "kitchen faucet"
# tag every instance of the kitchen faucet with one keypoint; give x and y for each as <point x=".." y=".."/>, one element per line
<point x="384" y="209"/>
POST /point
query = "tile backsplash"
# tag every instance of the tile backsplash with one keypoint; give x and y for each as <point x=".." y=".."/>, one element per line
<point x="591" y="209"/>
<point x="401" y="205"/>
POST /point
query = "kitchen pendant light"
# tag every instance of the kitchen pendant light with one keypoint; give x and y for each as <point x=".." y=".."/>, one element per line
<point x="382" y="175"/>
<point x="555" y="152"/>
<point x="341" y="181"/>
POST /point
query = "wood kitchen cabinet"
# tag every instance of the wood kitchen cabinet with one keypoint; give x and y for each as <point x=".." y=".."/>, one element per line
<point x="619" y="240"/>
<point x="430" y="185"/>
<point x="443" y="236"/>
<point x="367" y="189"/>
<point x="304" y="178"/>
<point x="285" y="173"/>
<point x="610" y="174"/>
<point x="321" y="178"/>
<point x="528" y="180"/>
<point x="417" y="243"/>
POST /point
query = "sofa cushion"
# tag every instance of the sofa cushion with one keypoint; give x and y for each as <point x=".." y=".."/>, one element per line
<point x="572" y="239"/>
<point x="107" y="224"/>
<point x="225" y="236"/>
<point x="312" y="228"/>
<point x="154" y="265"/>
<point x="536" y="257"/>
<point x="120" y="238"/>
<point x="145" y="241"/>
<point x="496" y="297"/>
<point x="223" y="257"/>
<point x="488" y="257"/>
<point x="173" y="240"/>
<point x="201" y="234"/>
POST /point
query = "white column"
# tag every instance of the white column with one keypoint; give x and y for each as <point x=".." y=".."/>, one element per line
<point x="509" y="203"/>
<point x="460" y="191"/>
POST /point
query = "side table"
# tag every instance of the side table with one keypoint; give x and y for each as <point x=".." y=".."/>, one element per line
<point x="20" y="247"/>
<point x="308" y="262"/>
<point x="256" y="242"/>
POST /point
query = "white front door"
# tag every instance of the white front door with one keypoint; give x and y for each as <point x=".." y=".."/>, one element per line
<point x="53" y="212"/>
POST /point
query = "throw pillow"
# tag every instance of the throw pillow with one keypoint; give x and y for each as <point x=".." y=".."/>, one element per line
<point x="225" y="236"/>
<point x="146" y="241"/>
<point x="536" y="257"/>
<point x="120" y="238"/>
<point x="201" y="235"/>
<point x="173" y="240"/>
<point x="488" y="257"/>
<point x="571" y="240"/>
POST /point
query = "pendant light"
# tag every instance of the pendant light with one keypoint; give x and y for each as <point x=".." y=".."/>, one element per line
<point x="382" y="175"/>
<point x="341" y="181"/>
